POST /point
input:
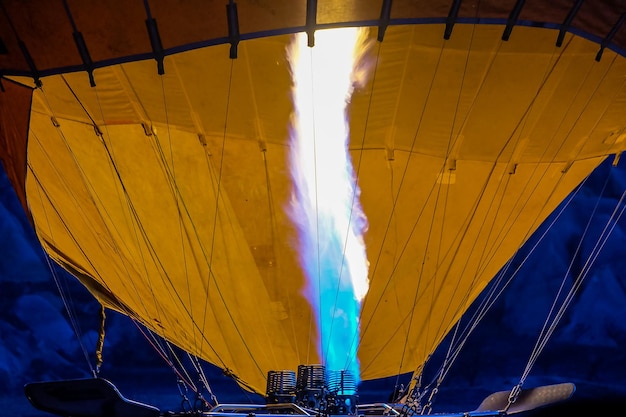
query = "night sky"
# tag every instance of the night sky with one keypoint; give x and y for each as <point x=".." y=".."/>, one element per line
<point x="587" y="347"/>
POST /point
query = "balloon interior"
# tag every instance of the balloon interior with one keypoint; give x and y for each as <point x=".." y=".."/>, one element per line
<point x="306" y="195"/>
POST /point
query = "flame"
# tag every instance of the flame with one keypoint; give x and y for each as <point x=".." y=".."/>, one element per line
<point x="325" y="203"/>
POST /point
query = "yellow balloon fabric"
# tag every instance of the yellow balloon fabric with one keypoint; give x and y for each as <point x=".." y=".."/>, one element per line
<point x="166" y="194"/>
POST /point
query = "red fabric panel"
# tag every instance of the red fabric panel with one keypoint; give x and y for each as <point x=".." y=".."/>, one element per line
<point x="15" y="104"/>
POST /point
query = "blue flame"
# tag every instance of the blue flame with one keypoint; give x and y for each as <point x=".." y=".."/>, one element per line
<point x="325" y="204"/>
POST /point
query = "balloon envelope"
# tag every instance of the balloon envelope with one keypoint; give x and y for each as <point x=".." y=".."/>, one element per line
<point x="167" y="194"/>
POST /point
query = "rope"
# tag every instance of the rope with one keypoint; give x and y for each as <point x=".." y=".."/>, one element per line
<point x="100" y="343"/>
<point x="550" y="325"/>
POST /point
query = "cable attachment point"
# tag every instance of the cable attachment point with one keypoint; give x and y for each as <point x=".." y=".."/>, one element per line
<point x="607" y="41"/>
<point x="513" y="395"/>
<point x="311" y="21"/>
<point x="385" y="18"/>
<point x="155" y="41"/>
<point x="84" y="54"/>
<point x="233" y="28"/>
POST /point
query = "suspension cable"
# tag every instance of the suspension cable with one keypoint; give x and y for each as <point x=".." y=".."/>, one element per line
<point x="551" y="322"/>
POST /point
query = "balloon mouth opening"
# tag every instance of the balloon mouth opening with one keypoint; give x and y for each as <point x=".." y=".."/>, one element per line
<point x="331" y="392"/>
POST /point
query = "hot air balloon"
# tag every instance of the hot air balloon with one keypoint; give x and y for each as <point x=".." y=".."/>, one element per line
<point x="151" y="145"/>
